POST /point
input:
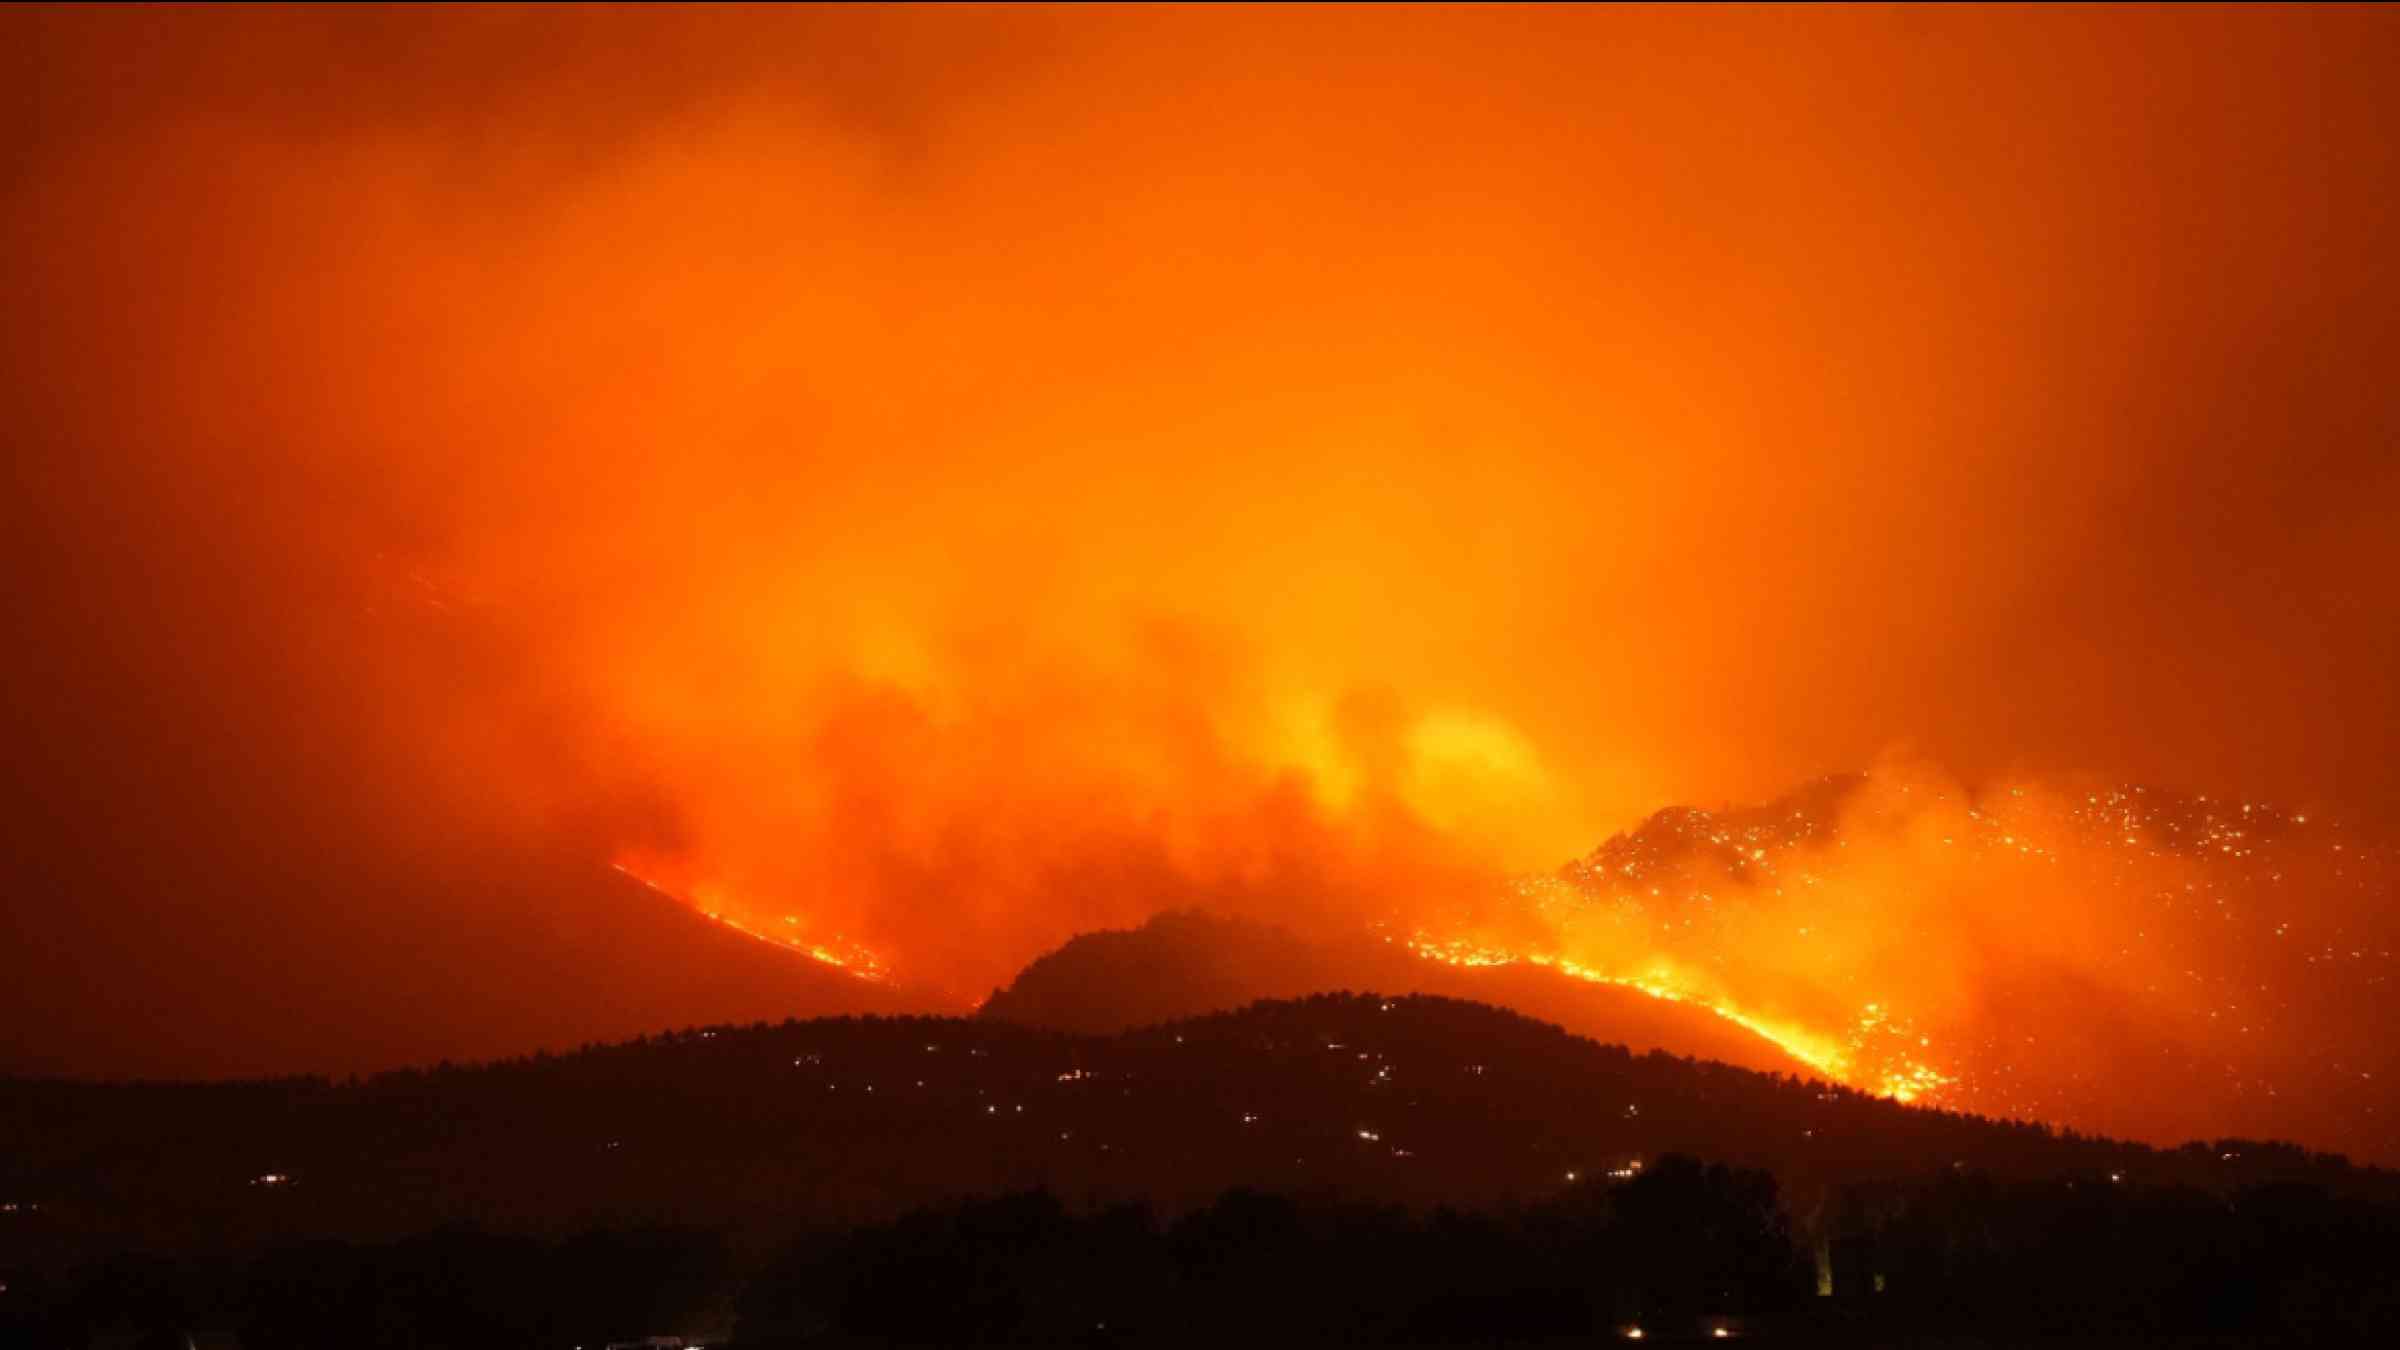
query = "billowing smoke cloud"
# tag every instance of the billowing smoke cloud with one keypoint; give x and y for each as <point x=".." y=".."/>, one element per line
<point x="2122" y="958"/>
<point x="953" y="479"/>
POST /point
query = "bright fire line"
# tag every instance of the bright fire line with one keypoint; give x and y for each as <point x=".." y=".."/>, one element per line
<point x="1906" y="1081"/>
<point x="851" y="960"/>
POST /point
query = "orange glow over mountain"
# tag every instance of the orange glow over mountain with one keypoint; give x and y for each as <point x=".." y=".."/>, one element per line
<point x="919" y="484"/>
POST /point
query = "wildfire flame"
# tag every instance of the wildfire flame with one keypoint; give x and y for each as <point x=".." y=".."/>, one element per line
<point x="1851" y="1061"/>
<point x="833" y="950"/>
<point x="2002" y="952"/>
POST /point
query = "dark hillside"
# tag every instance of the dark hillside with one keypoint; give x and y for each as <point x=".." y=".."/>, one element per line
<point x="1185" y="964"/>
<point x="766" y="1129"/>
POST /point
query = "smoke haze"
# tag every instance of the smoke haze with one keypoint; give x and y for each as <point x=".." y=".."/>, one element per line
<point x="935" y="482"/>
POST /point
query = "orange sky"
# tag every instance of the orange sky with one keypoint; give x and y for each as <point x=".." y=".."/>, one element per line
<point x="965" y="476"/>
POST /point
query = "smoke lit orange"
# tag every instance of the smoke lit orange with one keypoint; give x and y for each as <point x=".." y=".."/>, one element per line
<point x="920" y="484"/>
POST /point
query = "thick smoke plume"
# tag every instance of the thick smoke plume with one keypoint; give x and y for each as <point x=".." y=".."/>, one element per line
<point x="947" y="480"/>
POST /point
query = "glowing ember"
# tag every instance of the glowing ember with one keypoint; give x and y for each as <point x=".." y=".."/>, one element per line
<point x="1853" y="1061"/>
<point x="835" y="950"/>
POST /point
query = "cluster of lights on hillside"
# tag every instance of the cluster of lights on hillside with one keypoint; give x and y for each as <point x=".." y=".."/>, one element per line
<point x="2218" y="918"/>
<point x="1752" y="913"/>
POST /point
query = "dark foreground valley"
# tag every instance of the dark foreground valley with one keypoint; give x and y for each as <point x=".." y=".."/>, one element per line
<point x="1336" y="1168"/>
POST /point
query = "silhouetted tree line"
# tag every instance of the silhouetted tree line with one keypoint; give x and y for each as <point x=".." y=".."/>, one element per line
<point x="765" y="1130"/>
<point x="1679" y="1250"/>
<point x="1680" y="1242"/>
<point x="841" y="1125"/>
<point x="455" y="1288"/>
<point x="2274" y="1262"/>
